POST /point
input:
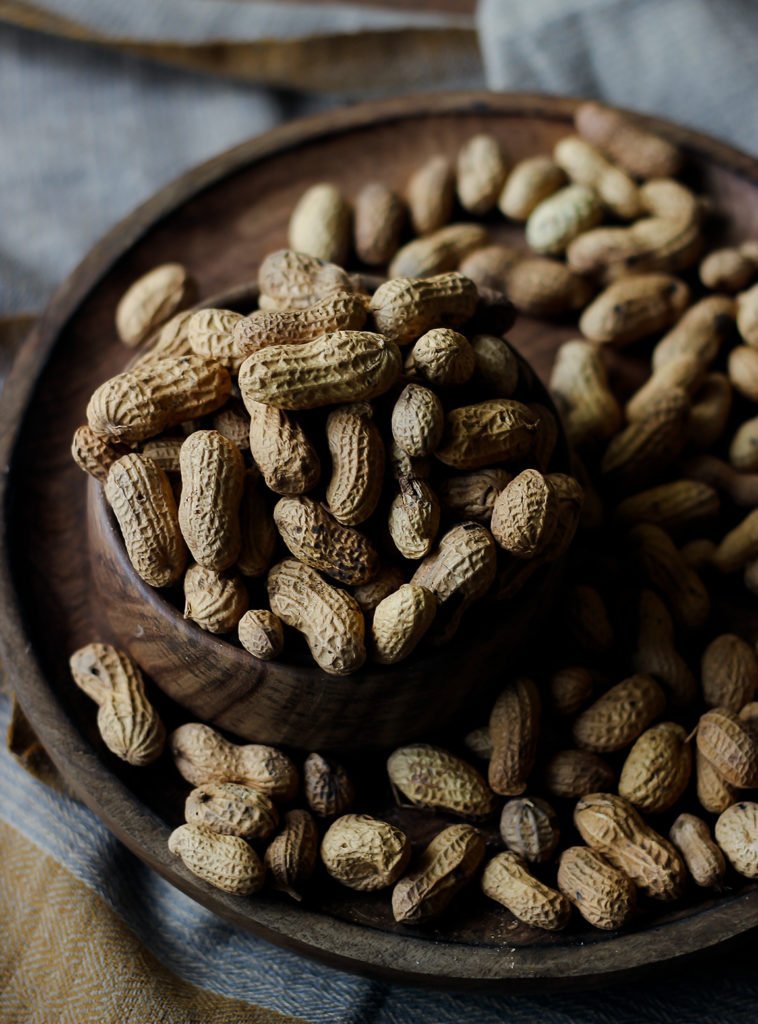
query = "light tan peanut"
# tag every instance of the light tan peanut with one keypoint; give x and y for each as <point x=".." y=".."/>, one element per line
<point x="226" y="862"/>
<point x="405" y="307"/>
<point x="646" y="246"/>
<point x="657" y="769"/>
<point x="126" y="720"/>
<point x="214" y="602"/>
<point x="370" y="595"/>
<point x="713" y="791"/>
<point x="481" y="171"/>
<point x="574" y="773"/>
<point x="330" y="619"/>
<point x="749" y="714"/>
<point x="747" y="315"/>
<point x="418" y="420"/>
<point x="640" y="152"/>
<point x="260" y="632"/>
<point x="210" y="333"/>
<point x="730" y="746"/>
<point x="143" y="503"/>
<point x="488" y="266"/>
<point x="365" y="853"/>
<point x="656" y="654"/>
<point x="338" y="311"/>
<point x="339" y="367"/>
<point x="579" y="385"/>
<point x="496" y="364"/>
<point x="170" y="341"/>
<point x="151" y="398"/>
<point x="292" y="856"/>
<point x="705" y="861"/>
<point x="447" y="864"/>
<point x="378" y="219"/>
<point x="740" y="488"/>
<point x="213" y="473"/>
<point x="620" y="715"/>
<point x="685" y="372"/>
<point x="459" y="572"/>
<point x="282" y="451"/>
<point x="743" y="450"/>
<point x="229" y="809"/>
<point x="670" y="505"/>
<point x="472" y="495"/>
<point x="727" y="270"/>
<point x="414" y="518"/>
<point x="569" y="689"/>
<point x="294" y="280"/>
<point x="400" y="622"/>
<point x="442" y="357"/>
<point x="202" y="755"/>
<point x="588" y="619"/>
<point x="557" y="220"/>
<point x="635" y="307"/>
<point x="670" y="199"/>
<point x="642" y="450"/>
<point x="507" y="880"/>
<point x="543" y="287"/>
<point x="603" y="895"/>
<point x="729" y="672"/>
<point x="667" y="572"/>
<point x="476" y="436"/>
<point x="430" y="194"/>
<point x="710" y="410"/>
<point x="258" y="534"/>
<point x="749" y="249"/>
<point x="320" y="223"/>
<point x="94" y="454"/>
<point x="328" y="788"/>
<point x="429" y="777"/>
<point x="233" y="422"/>
<point x="739" y="546"/>
<point x="437" y="252"/>
<point x="514" y="731"/>
<point x="525" y="514"/>
<point x="742" y="367"/>
<point x="737" y="835"/>
<point x="164" y="452"/>
<point x="357" y="452"/>
<point x="700" y="332"/>
<point x="612" y="827"/>
<point x="403" y="467"/>
<point x="585" y="165"/>
<point x="317" y="539"/>
<point x="529" y="827"/>
<point x="531" y="180"/>
<point x="698" y="553"/>
<point x="152" y="300"/>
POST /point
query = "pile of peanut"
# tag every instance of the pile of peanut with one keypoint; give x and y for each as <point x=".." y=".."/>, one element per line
<point x="615" y="771"/>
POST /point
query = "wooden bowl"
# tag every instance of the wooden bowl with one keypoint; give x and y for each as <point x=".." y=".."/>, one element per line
<point x="297" y="704"/>
<point x="220" y="220"/>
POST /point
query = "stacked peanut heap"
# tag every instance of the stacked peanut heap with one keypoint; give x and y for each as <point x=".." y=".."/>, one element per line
<point x="442" y="492"/>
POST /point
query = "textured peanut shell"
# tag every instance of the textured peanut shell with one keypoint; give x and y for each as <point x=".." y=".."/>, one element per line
<point x="634" y="307"/>
<point x="405" y="307"/>
<point x="543" y="287"/>
<point x="370" y="595"/>
<point x="400" y="622"/>
<point x="575" y="773"/>
<point x="713" y="791"/>
<point x="602" y="894"/>
<point x="700" y="332"/>
<point x="705" y="861"/>
<point x="686" y="372"/>
<point x="641" y="153"/>
<point x="339" y="367"/>
<point x="620" y="715"/>
<point x="328" y="788"/>
<point x="525" y="515"/>
<point x="357" y="452"/>
<point x="258" y="534"/>
<point x="414" y="518"/>
<point x="418" y="420"/>
<point x="472" y="495"/>
<point x="143" y="503"/>
<point x="657" y="769"/>
<point x="569" y="689"/>
<point x="295" y="280"/>
<point x="670" y="505"/>
<point x="514" y="731"/>
<point x="612" y="827"/>
<point x="152" y="300"/>
<point x="430" y="194"/>
<point x="231" y="809"/>
<point x="488" y="266"/>
<point x="260" y="632"/>
<point x="155" y="396"/>
<point x="443" y="357"/>
<point x="645" y="447"/>
<point x="202" y="755"/>
<point x="476" y="436"/>
<point x="292" y="856"/>
<point x="210" y="333"/>
<point x="530" y="181"/>
<point x="282" y="451"/>
<point x="729" y="672"/>
<point x="662" y="563"/>
<point x="437" y="252"/>
<point x="170" y="341"/>
<point x="233" y="422"/>
<point x="317" y="539"/>
<point x="320" y="224"/>
<point x="128" y="723"/>
<point x="507" y="880"/>
<point x="378" y="219"/>
<point x="730" y="746"/>
<point x="529" y="827"/>
<point x="430" y="777"/>
<point x="585" y="165"/>
<point x="330" y="619"/>
<point x="213" y="473"/>
<point x="496" y="364"/>
<point x="557" y="220"/>
<point x="481" y="172"/>
<point x="365" y="853"/>
<point x="448" y="863"/>
<point x="579" y="384"/>
<point x="164" y="452"/>
<point x="213" y="601"/>
<point x="340" y="311"/>
<point x="226" y="862"/>
<point x="649" y="245"/>
<point x="737" y="835"/>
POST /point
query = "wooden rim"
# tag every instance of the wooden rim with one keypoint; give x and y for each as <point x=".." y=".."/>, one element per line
<point x="581" y="964"/>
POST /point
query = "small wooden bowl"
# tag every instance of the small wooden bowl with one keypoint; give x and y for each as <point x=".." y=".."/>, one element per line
<point x="298" y="705"/>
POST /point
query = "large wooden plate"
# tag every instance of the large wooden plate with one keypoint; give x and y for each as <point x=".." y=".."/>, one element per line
<point x="220" y="220"/>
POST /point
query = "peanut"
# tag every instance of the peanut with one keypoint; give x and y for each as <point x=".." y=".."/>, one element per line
<point x="405" y="307"/>
<point x="580" y="386"/>
<point x="496" y="364"/>
<point x="619" y="716"/>
<point x="364" y="853"/>
<point x="257" y="531"/>
<point x="400" y="622"/>
<point x="500" y="430"/>
<point x="713" y="791"/>
<point x="216" y="603"/>
<point x="649" y="245"/>
<point x="685" y="372"/>
<point x="727" y="270"/>
<point x="338" y="311"/>
<point x="574" y="773"/>
<point x="557" y="220"/>
<point x="294" y="280"/>
<point x="603" y="895"/>
<point x="414" y="518"/>
<point x="437" y="252"/>
<point x="737" y="835"/>
<point x="507" y="880"/>
<point x="226" y="862"/>
<point x="292" y="855"/>
<point x="709" y="412"/>
<point x="260" y="632"/>
<point x="747" y="315"/>
<point x="529" y="827"/>
<point x="531" y="180"/>
<point x="657" y="768"/>
<point x="164" y="452"/>
<point x="730" y="746"/>
<point x="481" y="172"/>
<point x="700" y="332"/>
<point x="378" y="221"/>
<point x="286" y="458"/>
<point x="478" y="742"/>
<point x="656" y="654"/>
<point x="739" y="546"/>
<point x="472" y="495"/>
<point x="418" y="420"/>
<point x="514" y="732"/>
<point x="525" y="514"/>
<point x="447" y="864"/>
<point x="644" y="448"/>
<point x="152" y="300"/>
<point x="543" y="287"/>
<point x="210" y="333"/>
<point x="705" y="861"/>
<point x="633" y="308"/>
<point x="442" y="357"/>
<point x="667" y="572"/>
<point x="740" y="488"/>
<point x="743" y="450"/>
<point x="94" y="454"/>
<point x="432" y="778"/>
<point x="320" y="224"/>
<point x="488" y="266"/>
<point x="328" y="788"/>
<point x="585" y="165"/>
<point x="213" y="474"/>
<point x="233" y="422"/>
<point x="641" y="153"/>
<point x="670" y="199"/>
<point x="370" y="595"/>
<point x="569" y="688"/>
<point x="742" y="367"/>
<point x="318" y="540"/>
<point x="729" y="671"/>
<point x="430" y="194"/>
<point x="671" y="505"/>
<point x="171" y="341"/>
<point x="229" y="809"/>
